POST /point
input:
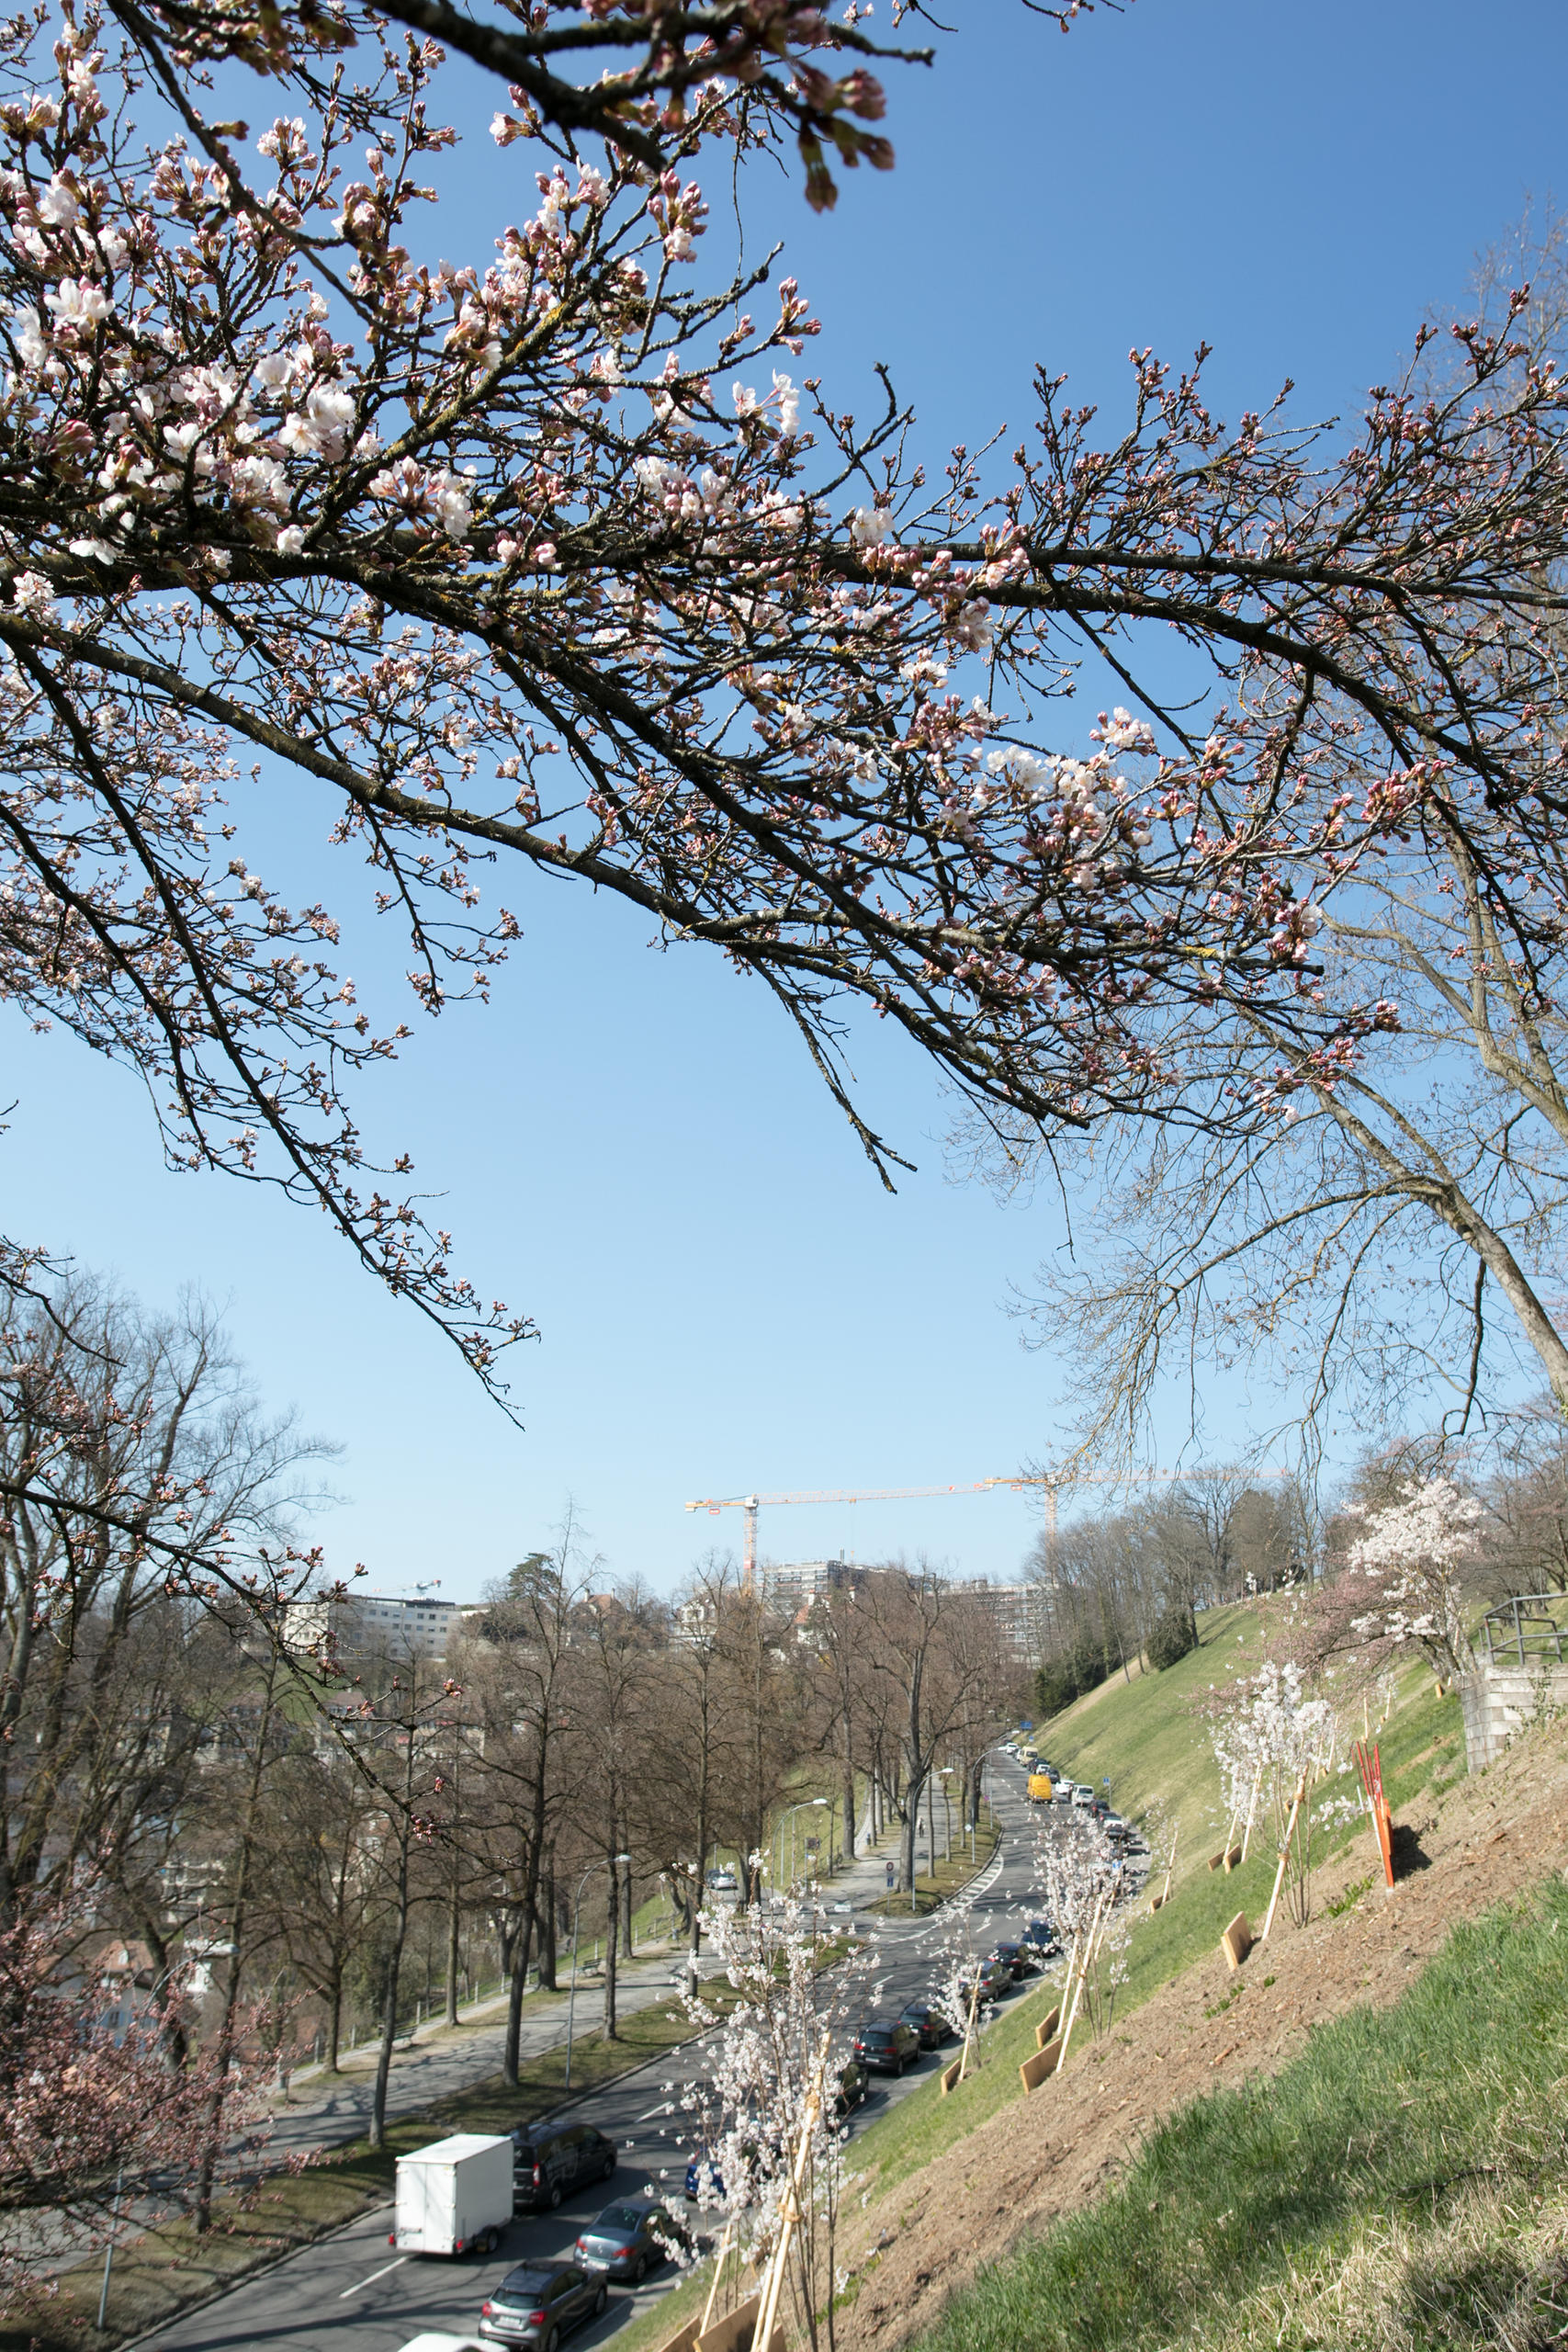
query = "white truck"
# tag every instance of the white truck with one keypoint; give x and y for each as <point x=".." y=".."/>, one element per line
<point x="453" y="2197"/>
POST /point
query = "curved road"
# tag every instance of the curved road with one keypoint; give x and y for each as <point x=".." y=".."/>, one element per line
<point x="347" y="2294"/>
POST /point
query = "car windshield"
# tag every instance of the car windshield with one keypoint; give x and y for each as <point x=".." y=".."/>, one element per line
<point x="620" y="2217"/>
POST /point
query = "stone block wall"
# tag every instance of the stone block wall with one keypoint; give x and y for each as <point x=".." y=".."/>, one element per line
<point x="1501" y="1701"/>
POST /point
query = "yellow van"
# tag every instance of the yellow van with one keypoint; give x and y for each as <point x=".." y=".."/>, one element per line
<point x="1040" y="1789"/>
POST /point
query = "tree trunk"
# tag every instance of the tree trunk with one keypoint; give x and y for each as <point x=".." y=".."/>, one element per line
<point x="911" y="1824"/>
<point x="547" y="1936"/>
<point x="377" y="2130"/>
<point x="454" y="1926"/>
<point x="223" y="2052"/>
<point x="611" y="1940"/>
<point x="628" y="1951"/>
<point x="849" y="1798"/>
<point x="516" y="1986"/>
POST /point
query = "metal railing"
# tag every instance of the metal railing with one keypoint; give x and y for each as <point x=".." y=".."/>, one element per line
<point x="1532" y="1625"/>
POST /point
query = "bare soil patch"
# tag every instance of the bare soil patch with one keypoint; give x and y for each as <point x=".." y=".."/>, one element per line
<point x="912" y="2249"/>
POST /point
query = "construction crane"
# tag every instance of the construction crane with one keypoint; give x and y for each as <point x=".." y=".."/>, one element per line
<point x="1050" y="1482"/>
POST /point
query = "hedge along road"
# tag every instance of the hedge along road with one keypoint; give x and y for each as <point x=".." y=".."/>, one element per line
<point x="350" y="2293"/>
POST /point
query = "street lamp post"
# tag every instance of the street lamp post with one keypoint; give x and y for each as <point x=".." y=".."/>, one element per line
<point x="778" y="1834"/>
<point x="607" y="1864"/>
<point x="944" y="1776"/>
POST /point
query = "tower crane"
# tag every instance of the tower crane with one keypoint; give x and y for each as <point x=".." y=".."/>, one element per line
<point x="1050" y="1482"/>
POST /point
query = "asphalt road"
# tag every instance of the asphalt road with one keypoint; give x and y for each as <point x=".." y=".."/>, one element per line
<point x="350" y="2293"/>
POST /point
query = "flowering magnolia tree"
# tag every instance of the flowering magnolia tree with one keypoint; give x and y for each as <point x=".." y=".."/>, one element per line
<point x="1403" y="1579"/>
<point x="548" y="559"/>
<point x="776" y="2055"/>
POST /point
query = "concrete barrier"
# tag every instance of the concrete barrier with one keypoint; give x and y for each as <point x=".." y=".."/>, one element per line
<point x="1236" y="1942"/>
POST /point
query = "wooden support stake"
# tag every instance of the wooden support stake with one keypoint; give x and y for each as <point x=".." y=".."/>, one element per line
<point x="1088" y="1944"/>
<point x="1170" y="1866"/>
<point x="1284" y="1855"/>
<point x="969" y="2028"/>
<point x="718" y="2274"/>
<point x="1251" y="1810"/>
<point x="772" y="2289"/>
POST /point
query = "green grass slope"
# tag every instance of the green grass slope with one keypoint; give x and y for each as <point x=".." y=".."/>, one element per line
<point x="1145" y="1733"/>
<point x="1401" y="2183"/>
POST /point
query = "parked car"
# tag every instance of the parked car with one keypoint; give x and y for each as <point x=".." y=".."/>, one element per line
<point x="852" y="2084"/>
<point x="552" y="2160"/>
<point x="628" y="2241"/>
<point x="724" y="1882"/>
<point x="930" y="2024"/>
<point x="702" y="2166"/>
<point x="994" y="1980"/>
<point x="540" y="2302"/>
<point x="1042" y="1937"/>
<point x="1083" y="1796"/>
<point x="1018" y="1960"/>
<point x="885" y="2045"/>
<point x="434" y="2341"/>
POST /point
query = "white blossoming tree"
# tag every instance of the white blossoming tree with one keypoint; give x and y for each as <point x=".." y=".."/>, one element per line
<point x="1273" y="1743"/>
<point x="1081" y="1879"/>
<point x="765" y="2121"/>
<point x="1404" y="1576"/>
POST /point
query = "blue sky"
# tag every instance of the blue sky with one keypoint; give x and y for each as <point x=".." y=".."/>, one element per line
<point x="629" y="1144"/>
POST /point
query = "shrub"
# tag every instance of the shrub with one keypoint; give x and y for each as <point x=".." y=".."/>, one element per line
<point x="1172" y="1638"/>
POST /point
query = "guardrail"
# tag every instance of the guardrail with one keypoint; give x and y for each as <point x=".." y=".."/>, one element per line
<point x="1531" y="1625"/>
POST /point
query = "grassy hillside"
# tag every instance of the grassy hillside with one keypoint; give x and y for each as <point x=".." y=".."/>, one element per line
<point x="1399" y="2184"/>
<point x="1144" y="1735"/>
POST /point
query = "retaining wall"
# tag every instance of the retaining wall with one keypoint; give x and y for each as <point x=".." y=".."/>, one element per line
<point x="1500" y="1702"/>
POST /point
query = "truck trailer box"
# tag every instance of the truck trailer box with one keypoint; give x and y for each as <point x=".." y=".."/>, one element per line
<point x="453" y="2197"/>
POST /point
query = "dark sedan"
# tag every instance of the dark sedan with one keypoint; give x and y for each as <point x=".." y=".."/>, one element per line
<point x="1042" y="1938"/>
<point x="852" y="2086"/>
<point x="628" y="2241"/>
<point x="930" y="2024"/>
<point x="540" y="2302"/>
<point x="1018" y="1960"/>
<point x="887" y="2045"/>
<point x="994" y="1980"/>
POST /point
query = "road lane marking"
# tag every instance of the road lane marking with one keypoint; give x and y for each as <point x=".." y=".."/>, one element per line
<point x="373" y="2276"/>
<point x="668" y="2108"/>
